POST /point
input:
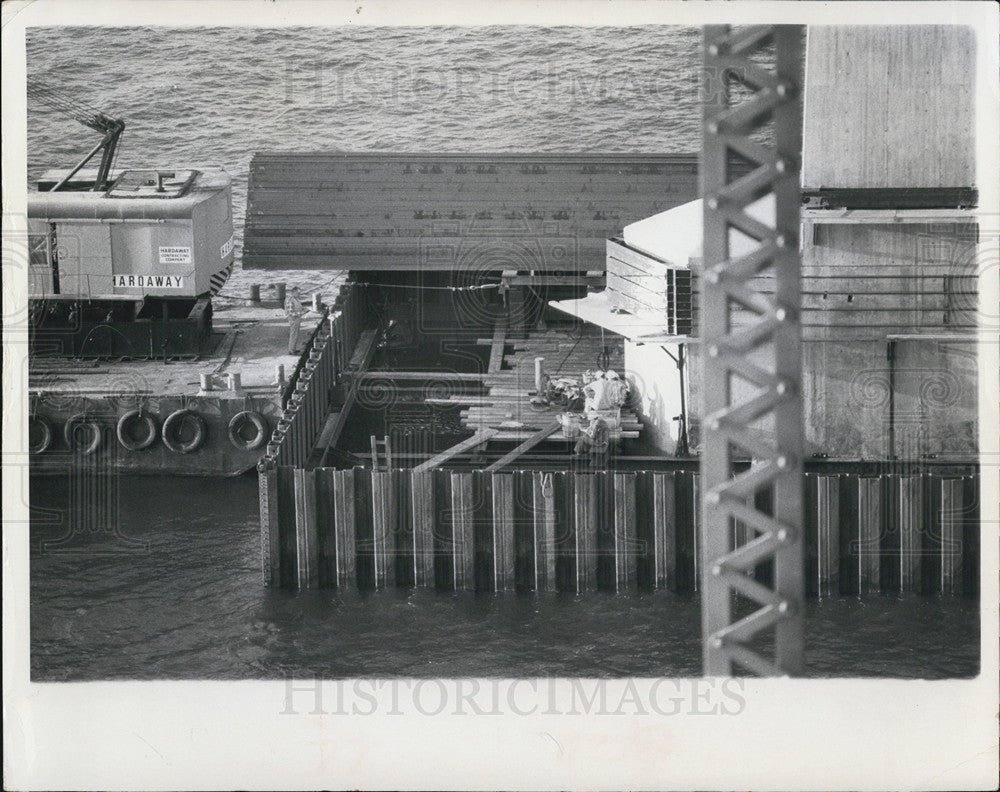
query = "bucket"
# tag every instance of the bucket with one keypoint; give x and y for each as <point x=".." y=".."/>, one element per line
<point x="572" y="424"/>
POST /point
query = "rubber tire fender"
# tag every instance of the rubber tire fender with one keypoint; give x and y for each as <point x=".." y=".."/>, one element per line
<point x="127" y="440"/>
<point x="259" y="424"/>
<point x="174" y="422"/>
<point x="69" y="433"/>
<point x="47" y="435"/>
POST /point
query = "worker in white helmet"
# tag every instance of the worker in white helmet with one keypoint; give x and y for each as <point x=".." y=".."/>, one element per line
<point x="294" y="310"/>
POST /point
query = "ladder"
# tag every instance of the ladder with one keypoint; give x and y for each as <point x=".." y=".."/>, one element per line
<point x="386" y="452"/>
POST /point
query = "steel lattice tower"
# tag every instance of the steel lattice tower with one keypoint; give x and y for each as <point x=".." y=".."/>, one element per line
<point x="752" y="113"/>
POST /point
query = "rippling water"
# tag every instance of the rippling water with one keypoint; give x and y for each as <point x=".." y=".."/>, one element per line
<point x="177" y="593"/>
<point x="215" y="96"/>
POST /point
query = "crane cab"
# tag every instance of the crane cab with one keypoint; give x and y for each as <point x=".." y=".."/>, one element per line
<point x="156" y="244"/>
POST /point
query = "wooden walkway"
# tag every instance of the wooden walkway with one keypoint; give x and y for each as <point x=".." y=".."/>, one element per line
<point x="510" y="382"/>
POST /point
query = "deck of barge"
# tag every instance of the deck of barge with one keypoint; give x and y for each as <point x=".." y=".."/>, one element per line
<point x="247" y="338"/>
<point x="248" y="368"/>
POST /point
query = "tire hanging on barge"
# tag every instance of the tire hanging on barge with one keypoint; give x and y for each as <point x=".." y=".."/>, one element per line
<point x="127" y="425"/>
<point x="239" y="421"/>
<point x="80" y="421"/>
<point x="173" y="426"/>
<point x="40" y="425"/>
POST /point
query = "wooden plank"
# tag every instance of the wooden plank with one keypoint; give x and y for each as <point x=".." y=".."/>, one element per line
<point x="328" y="437"/>
<point x="348" y="257"/>
<point x="422" y="490"/>
<point x="503" y="531"/>
<point x="462" y="540"/>
<point x="496" y="347"/>
<point x="420" y="375"/>
<point x="480" y="437"/>
<point x="460" y="398"/>
<point x="653" y="295"/>
<point x="344" y="529"/>
<point x="625" y="302"/>
<point x="622" y="257"/>
<point x="514" y="434"/>
<point x="528" y="444"/>
<point x="626" y="551"/>
<point x="544" y="532"/>
<point x="364" y="350"/>
<point x="582" y="279"/>
<point x="335" y="422"/>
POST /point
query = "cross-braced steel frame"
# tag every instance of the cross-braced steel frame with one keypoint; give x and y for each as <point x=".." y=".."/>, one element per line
<point x="751" y="76"/>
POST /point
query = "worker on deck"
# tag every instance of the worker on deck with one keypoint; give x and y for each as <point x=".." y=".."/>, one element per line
<point x="294" y="310"/>
<point x="595" y="437"/>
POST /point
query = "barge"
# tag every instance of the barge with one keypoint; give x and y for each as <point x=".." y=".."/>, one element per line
<point x="149" y="356"/>
<point x="142" y="361"/>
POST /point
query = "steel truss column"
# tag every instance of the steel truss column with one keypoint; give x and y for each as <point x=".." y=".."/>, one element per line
<point x="739" y="531"/>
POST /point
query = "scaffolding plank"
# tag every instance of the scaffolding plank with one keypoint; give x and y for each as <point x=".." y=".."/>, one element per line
<point x="496" y="347"/>
<point x="527" y="445"/>
<point x="480" y="437"/>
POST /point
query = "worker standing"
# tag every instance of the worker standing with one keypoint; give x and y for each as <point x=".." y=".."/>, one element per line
<point x="595" y="438"/>
<point x="294" y="310"/>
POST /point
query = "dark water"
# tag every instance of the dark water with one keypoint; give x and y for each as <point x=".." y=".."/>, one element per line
<point x="177" y="594"/>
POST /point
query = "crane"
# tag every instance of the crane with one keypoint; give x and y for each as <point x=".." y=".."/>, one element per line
<point x="110" y="128"/>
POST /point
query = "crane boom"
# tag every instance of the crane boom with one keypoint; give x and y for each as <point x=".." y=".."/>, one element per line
<point x="110" y="128"/>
